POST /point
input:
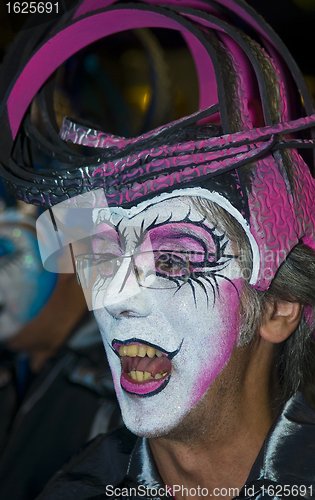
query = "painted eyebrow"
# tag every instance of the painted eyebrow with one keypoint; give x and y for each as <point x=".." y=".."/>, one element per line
<point x="112" y="236"/>
<point x="141" y="231"/>
<point x="216" y="238"/>
<point x="170" y="239"/>
<point x="103" y="221"/>
<point x="122" y="236"/>
<point x="219" y="241"/>
<point x="184" y="232"/>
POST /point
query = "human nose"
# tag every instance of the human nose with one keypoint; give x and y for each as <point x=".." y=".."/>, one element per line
<point x="124" y="296"/>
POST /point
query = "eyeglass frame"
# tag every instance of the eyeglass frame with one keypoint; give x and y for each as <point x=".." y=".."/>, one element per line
<point x="135" y="267"/>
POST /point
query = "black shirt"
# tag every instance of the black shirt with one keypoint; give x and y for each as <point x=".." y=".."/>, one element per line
<point x="43" y="424"/>
<point x="284" y="468"/>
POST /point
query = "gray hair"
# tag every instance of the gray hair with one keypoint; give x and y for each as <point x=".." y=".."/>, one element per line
<point x="293" y="282"/>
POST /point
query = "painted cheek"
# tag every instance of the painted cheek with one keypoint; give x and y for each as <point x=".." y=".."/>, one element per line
<point x="222" y="341"/>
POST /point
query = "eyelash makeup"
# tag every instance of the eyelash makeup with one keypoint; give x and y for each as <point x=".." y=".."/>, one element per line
<point x="214" y="262"/>
<point x="210" y="277"/>
<point x="217" y="267"/>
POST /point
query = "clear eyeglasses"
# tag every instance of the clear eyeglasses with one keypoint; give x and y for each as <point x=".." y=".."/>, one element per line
<point x="158" y="269"/>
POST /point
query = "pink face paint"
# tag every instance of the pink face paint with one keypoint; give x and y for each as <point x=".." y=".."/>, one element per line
<point x="104" y="238"/>
<point x="142" y="388"/>
<point x="225" y="339"/>
<point x="180" y="233"/>
<point x="196" y="321"/>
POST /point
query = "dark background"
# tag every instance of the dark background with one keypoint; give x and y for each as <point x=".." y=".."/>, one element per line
<point x="293" y="20"/>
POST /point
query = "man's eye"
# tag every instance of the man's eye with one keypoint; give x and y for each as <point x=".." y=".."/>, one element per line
<point x="170" y="265"/>
<point x="107" y="265"/>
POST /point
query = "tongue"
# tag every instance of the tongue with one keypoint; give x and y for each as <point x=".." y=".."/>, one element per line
<point x="152" y="365"/>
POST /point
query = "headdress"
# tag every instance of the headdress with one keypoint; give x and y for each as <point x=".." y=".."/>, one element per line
<point x="240" y="149"/>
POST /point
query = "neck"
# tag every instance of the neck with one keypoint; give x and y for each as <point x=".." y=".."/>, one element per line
<point x="42" y="337"/>
<point x="217" y="443"/>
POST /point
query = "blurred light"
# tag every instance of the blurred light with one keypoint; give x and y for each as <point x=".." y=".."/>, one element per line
<point x="139" y="96"/>
<point x="29" y="259"/>
<point x="16" y="232"/>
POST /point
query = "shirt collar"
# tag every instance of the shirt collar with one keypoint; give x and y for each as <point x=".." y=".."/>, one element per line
<point x="287" y="454"/>
<point x="141" y="467"/>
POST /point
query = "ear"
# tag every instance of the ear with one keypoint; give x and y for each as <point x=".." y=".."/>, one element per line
<point x="281" y="319"/>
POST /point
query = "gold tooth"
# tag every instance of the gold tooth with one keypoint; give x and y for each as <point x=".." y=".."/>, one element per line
<point x="123" y="350"/>
<point x="142" y="351"/>
<point x="151" y="352"/>
<point x="139" y="376"/>
<point x="132" y="350"/>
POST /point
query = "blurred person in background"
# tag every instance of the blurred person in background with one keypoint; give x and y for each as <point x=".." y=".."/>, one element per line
<point x="199" y="259"/>
<point x="55" y="387"/>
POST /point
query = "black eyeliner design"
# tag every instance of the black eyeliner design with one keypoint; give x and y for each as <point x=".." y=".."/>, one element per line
<point x="142" y="233"/>
<point x="193" y="290"/>
<point x="130" y="266"/>
<point x="209" y="281"/>
<point x="98" y="285"/>
<point x="195" y="277"/>
<point x="210" y="276"/>
<point x="203" y="288"/>
<point x="230" y="281"/>
<point x="123" y="237"/>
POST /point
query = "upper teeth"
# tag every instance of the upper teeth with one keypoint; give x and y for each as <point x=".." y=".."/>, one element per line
<point x="141" y="350"/>
<point x="141" y="376"/>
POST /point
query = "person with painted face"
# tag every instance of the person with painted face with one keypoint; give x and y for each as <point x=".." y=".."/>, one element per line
<point x="193" y="242"/>
<point x="51" y="363"/>
<point x="21" y="271"/>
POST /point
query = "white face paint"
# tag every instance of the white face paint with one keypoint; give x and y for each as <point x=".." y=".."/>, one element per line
<point x="180" y="338"/>
<point x="24" y="285"/>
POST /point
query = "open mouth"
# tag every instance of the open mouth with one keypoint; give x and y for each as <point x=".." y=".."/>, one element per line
<point x="146" y="370"/>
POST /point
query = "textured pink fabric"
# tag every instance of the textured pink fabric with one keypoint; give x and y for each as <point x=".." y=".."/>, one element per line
<point x="272" y="219"/>
<point x="280" y="218"/>
<point x="81" y="135"/>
